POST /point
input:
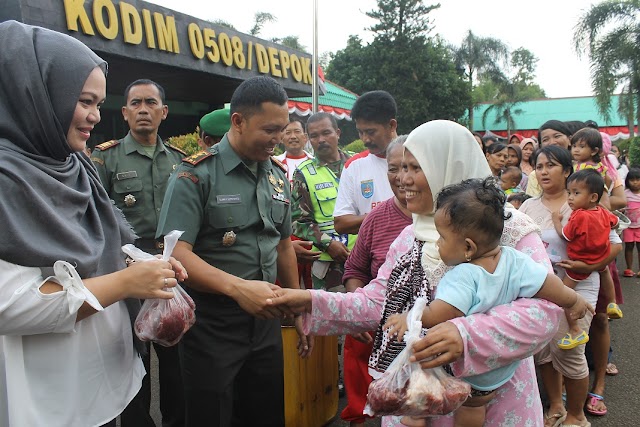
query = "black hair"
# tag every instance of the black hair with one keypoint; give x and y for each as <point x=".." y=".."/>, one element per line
<point x="296" y="119"/>
<point x="475" y="207"/>
<point x="634" y="173"/>
<point x="512" y="169"/>
<point x="377" y="106"/>
<point x="590" y="177"/>
<point x="556" y="125"/>
<point x="518" y="151"/>
<point x="495" y="147"/>
<point x="316" y="117"/>
<point x="591" y="124"/>
<point x="141" y="82"/>
<point x="248" y="98"/>
<point x="518" y="197"/>
<point x="556" y="154"/>
<point x="575" y="125"/>
<point x="593" y="139"/>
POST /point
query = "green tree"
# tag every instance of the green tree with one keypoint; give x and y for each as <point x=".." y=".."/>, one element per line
<point x="610" y="34"/>
<point x="477" y="56"/>
<point x="418" y="71"/>
<point x="259" y="19"/>
<point x="222" y="23"/>
<point x="290" y="41"/>
<point x="401" y="19"/>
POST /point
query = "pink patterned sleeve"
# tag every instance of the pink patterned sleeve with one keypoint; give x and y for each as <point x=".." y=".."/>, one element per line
<point x="360" y="311"/>
<point x="508" y="332"/>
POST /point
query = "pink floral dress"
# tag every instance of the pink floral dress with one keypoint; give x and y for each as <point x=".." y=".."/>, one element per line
<point x="504" y="334"/>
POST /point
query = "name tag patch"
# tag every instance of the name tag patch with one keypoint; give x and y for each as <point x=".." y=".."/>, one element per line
<point x="324" y="185"/>
<point x="226" y="199"/>
<point x="126" y="175"/>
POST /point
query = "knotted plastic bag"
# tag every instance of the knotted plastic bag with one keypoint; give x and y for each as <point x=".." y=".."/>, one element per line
<point x="163" y="321"/>
<point x="407" y="389"/>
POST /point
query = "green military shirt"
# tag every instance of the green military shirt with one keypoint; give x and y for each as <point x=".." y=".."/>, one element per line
<point x="233" y="218"/>
<point x="135" y="180"/>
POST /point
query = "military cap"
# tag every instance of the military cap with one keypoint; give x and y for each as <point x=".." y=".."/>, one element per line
<point x="216" y="123"/>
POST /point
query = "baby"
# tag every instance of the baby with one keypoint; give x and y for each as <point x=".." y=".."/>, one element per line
<point x="470" y="218"/>
<point x="509" y="179"/>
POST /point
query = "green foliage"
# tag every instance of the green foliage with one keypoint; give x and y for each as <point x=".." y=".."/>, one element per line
<point x="259" y="19"/>
<point x="401" y="19"/>
<point x="290" y="41"/>
<point x="609" y="33"/>
<point x="356" y="146"/>
<point x="187" y="143"/>
<point x="418" y="73"/>
<point x="634" y="151"/>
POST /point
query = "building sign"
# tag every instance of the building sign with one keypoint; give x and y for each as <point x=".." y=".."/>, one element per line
<point x="144" y="31"/>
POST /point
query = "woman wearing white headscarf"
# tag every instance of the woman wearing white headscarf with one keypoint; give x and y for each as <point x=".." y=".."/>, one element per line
<point x="67" y="351"/>
<point x="446" y="153"/>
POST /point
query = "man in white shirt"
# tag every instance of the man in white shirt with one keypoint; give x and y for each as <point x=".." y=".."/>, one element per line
<point x="364" y="182"/>
<point x="294" y="141"/>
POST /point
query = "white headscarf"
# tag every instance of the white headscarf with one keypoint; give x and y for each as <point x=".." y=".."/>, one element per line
<point x="448" y="154"/>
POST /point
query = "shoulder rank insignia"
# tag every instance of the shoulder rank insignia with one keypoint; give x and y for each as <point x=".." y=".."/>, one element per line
<point x="106" y="145"/>
<point x="179" y="150"/>
<point x="279" y="164"/>
<point x="196" y="158"/>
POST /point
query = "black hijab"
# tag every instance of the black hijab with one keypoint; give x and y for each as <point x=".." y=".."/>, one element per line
<point x="52" y="206"/>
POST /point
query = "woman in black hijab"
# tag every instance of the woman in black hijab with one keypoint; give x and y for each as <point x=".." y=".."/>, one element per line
<point x="67" y="352"/>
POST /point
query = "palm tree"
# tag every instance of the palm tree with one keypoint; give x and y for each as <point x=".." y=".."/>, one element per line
<point x="510" y="94"/>
<point x="477" y="55"/>
<point x="610" y="33"/>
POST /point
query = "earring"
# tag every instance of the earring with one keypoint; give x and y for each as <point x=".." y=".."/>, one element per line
<point x="467" y="257"/>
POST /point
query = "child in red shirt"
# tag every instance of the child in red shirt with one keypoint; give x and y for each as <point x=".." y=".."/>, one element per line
<point x="587" y="235"/>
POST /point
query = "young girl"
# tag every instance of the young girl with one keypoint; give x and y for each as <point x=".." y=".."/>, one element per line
<point x="586" y="148"/>
<point x="631" y="235"/>
<point x="469" y="219"/>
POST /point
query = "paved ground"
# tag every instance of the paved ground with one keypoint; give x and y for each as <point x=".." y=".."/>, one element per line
<point x="623" y="391"/>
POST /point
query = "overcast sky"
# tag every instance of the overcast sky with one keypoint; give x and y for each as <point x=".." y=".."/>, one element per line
<point x="545" y="27"/>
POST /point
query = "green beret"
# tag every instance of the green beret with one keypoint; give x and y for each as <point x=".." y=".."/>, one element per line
<point x="216" y="123"/>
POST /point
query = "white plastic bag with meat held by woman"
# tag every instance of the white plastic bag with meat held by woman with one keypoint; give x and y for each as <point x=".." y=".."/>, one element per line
<point x="163" y="321"/>
<point x="407" y="389"/>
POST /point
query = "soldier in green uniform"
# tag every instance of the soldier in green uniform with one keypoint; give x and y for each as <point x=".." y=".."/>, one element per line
<point x="134" y="170"/>
<point x="213" y="126"/>
<point x="315" y="188"/>
<point x="233" y="203"/>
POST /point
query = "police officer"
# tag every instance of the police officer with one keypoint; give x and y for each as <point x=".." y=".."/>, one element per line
<point x="134" y="170"/>
<point x="315" y="188"/>
<point x="233" y="203"/>
<point x="213" y="126"/>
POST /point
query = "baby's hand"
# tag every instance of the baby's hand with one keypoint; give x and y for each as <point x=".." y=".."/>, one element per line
<point x="579" y="309"/>
<point x="556" y="216"/>
<point x="397" y="324"/>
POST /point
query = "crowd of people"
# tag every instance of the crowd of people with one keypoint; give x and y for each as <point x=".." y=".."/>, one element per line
<point x="498" y="238"/>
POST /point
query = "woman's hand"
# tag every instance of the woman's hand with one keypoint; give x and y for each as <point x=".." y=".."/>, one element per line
<point x="148" y="279"/>
<point x="397" y="324"/>
<point x="296" y="300"/>
<point x="442" y="344"/>
<point x="305" y="342"/>
<point x="178" y="268"/>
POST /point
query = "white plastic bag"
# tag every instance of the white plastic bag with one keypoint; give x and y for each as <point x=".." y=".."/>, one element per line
<point x="163" y="321"/>
<point x="407" y="389"/>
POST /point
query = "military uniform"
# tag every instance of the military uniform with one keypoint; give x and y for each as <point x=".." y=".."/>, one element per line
<point x="315" y="189"/>
<point x="136" y="181"/>
<point x="234" y="215"/>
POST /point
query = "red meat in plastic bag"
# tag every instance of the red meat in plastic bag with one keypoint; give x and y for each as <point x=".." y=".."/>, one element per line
<point x="165" y="321"/>
<point x="406" y="389"/>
